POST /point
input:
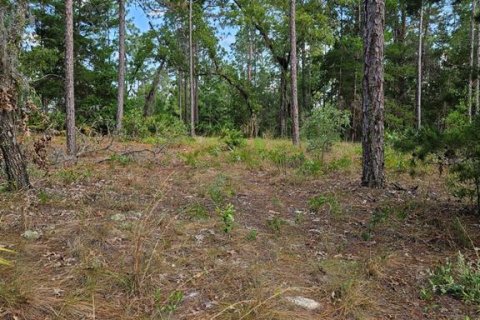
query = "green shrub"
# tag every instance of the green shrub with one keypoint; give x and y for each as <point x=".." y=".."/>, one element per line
<point x="232" y="138"/>
<point x="135" y="125"/>
<point x="323" y="127"/>
<point x="227" y="214"/>
<point x="458" y="147"/>
<point x="318" y="202"/>
<point x="276" y="224"/>
<point x="460" y="280"/>
<point x="220" y="189"/>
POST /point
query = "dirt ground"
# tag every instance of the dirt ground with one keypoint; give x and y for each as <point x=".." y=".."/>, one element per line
<point x="139" y="235"/>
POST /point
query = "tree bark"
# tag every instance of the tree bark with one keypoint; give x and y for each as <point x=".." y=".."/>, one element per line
<point x="283" y="103"/>
<point x="418" y="110"/>
<point x="150" y="98"/>
<point x="192" y="84"/>
<point x="69" y="79"/>
<point x="477" y="73"/>
<point x="293" y="73"/>
<point x="472" y="50"/>
<point x="373" y="162"/>
<point x="121" y="64"/>
<point x="10" y="34"/>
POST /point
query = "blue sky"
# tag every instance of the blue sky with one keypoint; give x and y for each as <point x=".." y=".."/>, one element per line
<point x="136" y="14"/>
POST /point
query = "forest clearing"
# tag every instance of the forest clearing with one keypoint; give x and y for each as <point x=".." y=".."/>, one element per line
<point x="141" y="236"/>
<point x="239" y="159"/>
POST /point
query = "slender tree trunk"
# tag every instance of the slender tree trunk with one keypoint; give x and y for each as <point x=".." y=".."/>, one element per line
<point x="250" y="56"/>
<point x="192" y="84"/>
<point x="472" y="50"/>
<point x="283" y="103"/>
<point x="418" y="111"/>
<point x="150" y="98"/>
<point x="180" y="105"/>
<point x="121" y="64"/>
<point x="69" y="79"/>
<point x="477" y="73"/>
<point x="293" y="64"/>
<point x="373" y="95"/>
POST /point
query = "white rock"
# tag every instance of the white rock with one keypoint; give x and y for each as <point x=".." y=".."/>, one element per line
<point x="305" y="303"/>
<point x="31" y="235"/>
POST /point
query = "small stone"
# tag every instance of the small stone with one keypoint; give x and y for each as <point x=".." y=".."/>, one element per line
<point x="305" y="303"/>
<point x="31" y="235"/>
<point x="118" y="217"/>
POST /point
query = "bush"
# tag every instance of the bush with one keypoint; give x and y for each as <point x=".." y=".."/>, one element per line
<point x="232" y="138"/>
<point x="460" y="280"/>
<point x="164" y="125"/>
<point x="457" y="147"/>
<point x="324" y="127"/>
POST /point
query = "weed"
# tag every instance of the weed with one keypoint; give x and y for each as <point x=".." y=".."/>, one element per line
<point x="460" y="280"/>
<point x="69" y="176"/>
<point x="43" y="197"/>
<point x="341" y="164"/>
<point x="197" y="211"/>
<point x="191" y="158"/>
<point x="378" y="216"/>
<point x="220" y="189"/>
<point x="228" y="217"/>
<point x="252" y="235"/>
<point x="120" y="159"/>
<point x="276" y="224"/>
<point x="461" y="235"/>
<point x="318" y="202"/>
<point x="173" y="301"/>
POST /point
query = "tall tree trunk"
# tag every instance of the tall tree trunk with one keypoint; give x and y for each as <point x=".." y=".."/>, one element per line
<point x="121" y="63"/>
<point x="283" y="103"/>
<point x="11" y="27"/>
<point x="250" y="56"/>
<point x="192" y="84"/>
<point x="373" y="175"/>
<point x="180" y="102"/>
<point x="293" y="73"/>
<point x="150" y="98"/>
<point x="472" y="50"/>
<point x="418" y="110"/>
<point x="69" y="79"/>
<point x="477" y="73"/>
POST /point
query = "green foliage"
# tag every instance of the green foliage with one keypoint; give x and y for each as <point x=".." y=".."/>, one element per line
<point x="197" y="211"/>
<point x="74" y="175"/>
<point x="323" y="127"/>
<point x="252" y="235"/>
<point x="457" y="146"/>
<point x="319" y="201"/>
<point x="232" y="138"/>
<point x="460" y="279"/>
<point x="220" y="189"/>
<point x="120" y="159"/>
<point x="163" y="125"/>
<point x="173" y="301"/>
<point x="276" y="224"/>
<point x="227" y="214"/>
<point x="283" y="158"/>
<point x="378" y="216"/>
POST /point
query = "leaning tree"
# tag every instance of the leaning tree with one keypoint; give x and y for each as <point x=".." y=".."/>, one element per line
<point x="12" y="21"/>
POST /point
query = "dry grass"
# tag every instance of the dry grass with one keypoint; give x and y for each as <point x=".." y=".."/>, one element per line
<point x="142" y="239"/>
